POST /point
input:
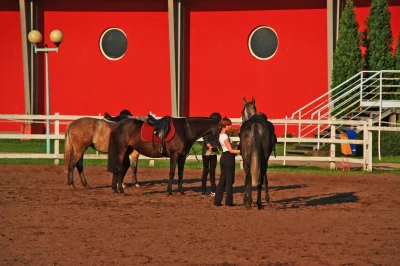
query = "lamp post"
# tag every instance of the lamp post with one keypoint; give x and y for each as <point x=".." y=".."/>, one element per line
<point x="35" y="37"/>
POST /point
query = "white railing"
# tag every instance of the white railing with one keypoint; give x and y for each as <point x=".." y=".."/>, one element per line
<point x="366" y="142"/>
<point x="351" y="98"/>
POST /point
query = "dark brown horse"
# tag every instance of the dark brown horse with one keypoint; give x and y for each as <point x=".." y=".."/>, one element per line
<point x="126" y="136"/>
<point x="257" y="141"/>
<point x="88" y="132"/>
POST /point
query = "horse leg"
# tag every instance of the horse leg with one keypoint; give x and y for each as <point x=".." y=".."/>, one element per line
<point x="123" y="162"/>
<point x="259" y="189"/>
<point x="134" y="162"/>
<point x="124" y="169"/>
<point x="71" y="168"/>
<point x="114" y="182"/>
<point x="267" y="198"/>
<point x="79" y="166"/>
<point x="247" y="197"/>
<point x="181" y="165"/>
<point x="172" y="165"/>
<point x="73" y="162"/>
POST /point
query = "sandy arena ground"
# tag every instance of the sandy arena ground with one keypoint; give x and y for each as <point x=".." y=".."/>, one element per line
<point x="317" y="219"/>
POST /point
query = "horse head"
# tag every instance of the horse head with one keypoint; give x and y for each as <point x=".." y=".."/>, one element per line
<point x="249" y="109"/>
<point x="215" y="130"/>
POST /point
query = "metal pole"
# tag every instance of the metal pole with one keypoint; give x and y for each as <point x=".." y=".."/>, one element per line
<point x="47" y="101"/>
<point x="330" y="41"/>
<point x="25" y="57"/>
<point x="172" y="58"/>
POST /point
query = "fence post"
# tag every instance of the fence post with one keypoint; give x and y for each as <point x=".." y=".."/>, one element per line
<point x="151" y="163"/>
<point x="365" y="146"/>
<point x="332" y="151"/>
<point x="284" y="144"/>
<point x="370" y="146"/>
<point x="57" y="140"/>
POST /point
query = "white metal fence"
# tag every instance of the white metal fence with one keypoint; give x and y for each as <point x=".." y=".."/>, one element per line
<point x="366" y="126"/>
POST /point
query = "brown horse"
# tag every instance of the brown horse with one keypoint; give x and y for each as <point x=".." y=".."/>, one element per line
<point x="126" y="136"/>
<point x="257" y="141"/>
<point x="88" y="132"/>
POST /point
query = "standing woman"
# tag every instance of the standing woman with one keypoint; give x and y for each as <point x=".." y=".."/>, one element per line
<point x="227" y="163"/>
<point x="209" y="155"/>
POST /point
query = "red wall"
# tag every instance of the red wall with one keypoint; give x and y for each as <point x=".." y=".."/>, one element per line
<point x="221" y="71"/>
<point x="83" y="81"/>
<point x="11" y="68"/>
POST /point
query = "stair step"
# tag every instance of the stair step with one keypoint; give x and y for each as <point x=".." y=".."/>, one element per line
<point x="308" y="152"/>
<point x="304" y="146"/>
<point x="297" y="151"/>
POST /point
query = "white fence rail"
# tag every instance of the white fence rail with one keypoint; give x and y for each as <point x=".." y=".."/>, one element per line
<point x="57" y="119"/>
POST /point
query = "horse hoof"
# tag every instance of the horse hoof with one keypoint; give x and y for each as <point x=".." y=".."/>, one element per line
<point x="87" y="187"/>
<point x="260" y="207"/>
<point x="169" y="194"/>
<point x="73" y="187"/>
<point x="183" y="194"/>
<point x="248" y="207"/>
<point x="137" y="185"/>
<point x="123" y="185"/>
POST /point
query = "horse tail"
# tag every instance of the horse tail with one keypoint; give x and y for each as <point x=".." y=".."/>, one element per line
<point x="275" y="141"/>
<point x="68" y="150"/>
<point x="112" y="157"/>
<point x="255" y="155"/>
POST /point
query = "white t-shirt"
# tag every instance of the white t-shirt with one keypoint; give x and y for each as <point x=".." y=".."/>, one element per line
<point x="222" y="138"/>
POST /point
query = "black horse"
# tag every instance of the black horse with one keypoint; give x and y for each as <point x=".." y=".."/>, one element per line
<point x="126" y="137"/>
<point x="257" y="141"/>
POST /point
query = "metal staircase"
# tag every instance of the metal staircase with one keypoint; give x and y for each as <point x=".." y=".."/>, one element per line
<point x="367" y="95"/>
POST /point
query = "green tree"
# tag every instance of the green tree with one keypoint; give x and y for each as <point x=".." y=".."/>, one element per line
<point x="347" y="58"/>
<point x="397" y="67"/>
<point x="397" y="57"/>
<point x="378" y="39"/>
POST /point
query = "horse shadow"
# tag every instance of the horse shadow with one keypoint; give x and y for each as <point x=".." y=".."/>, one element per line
<point x="317" y="200"/>
<point x="241" y="189"/>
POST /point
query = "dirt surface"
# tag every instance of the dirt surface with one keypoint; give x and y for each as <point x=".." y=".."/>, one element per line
<point x="330" y="219"/>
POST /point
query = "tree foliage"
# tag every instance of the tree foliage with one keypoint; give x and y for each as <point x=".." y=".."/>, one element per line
<point x="378" y="38"/>
<point x="347" y="58"/>
<point x="397" y="58"/>
<point x="397" y="67"/>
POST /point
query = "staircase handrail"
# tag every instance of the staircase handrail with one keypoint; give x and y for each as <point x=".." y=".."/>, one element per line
<point x="348" y="92"/>
<point x="324" y="95"/>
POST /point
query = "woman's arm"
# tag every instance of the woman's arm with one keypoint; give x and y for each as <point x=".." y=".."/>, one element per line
<point x="206" y="142"/>
<point x="229" y="147"/>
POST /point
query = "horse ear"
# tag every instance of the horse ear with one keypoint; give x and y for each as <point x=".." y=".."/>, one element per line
<point x="244" y="101"/>
<point x="253" y="101"/>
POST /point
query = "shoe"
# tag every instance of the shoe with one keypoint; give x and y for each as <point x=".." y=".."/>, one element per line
<point x="203" y="194"/>
<point x="212" y="194"/>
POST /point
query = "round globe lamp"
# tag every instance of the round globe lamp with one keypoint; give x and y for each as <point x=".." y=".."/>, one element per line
<point x="56" y="36"/>
<point x="35" y="37"/>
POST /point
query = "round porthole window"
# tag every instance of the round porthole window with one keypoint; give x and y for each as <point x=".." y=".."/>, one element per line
<point x="263" y="43"/>
<point x="113" y="43"/>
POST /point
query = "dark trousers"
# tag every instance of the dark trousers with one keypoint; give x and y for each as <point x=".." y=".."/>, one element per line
<point x="226" y="180"/>
<point x="209" y="165"/>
